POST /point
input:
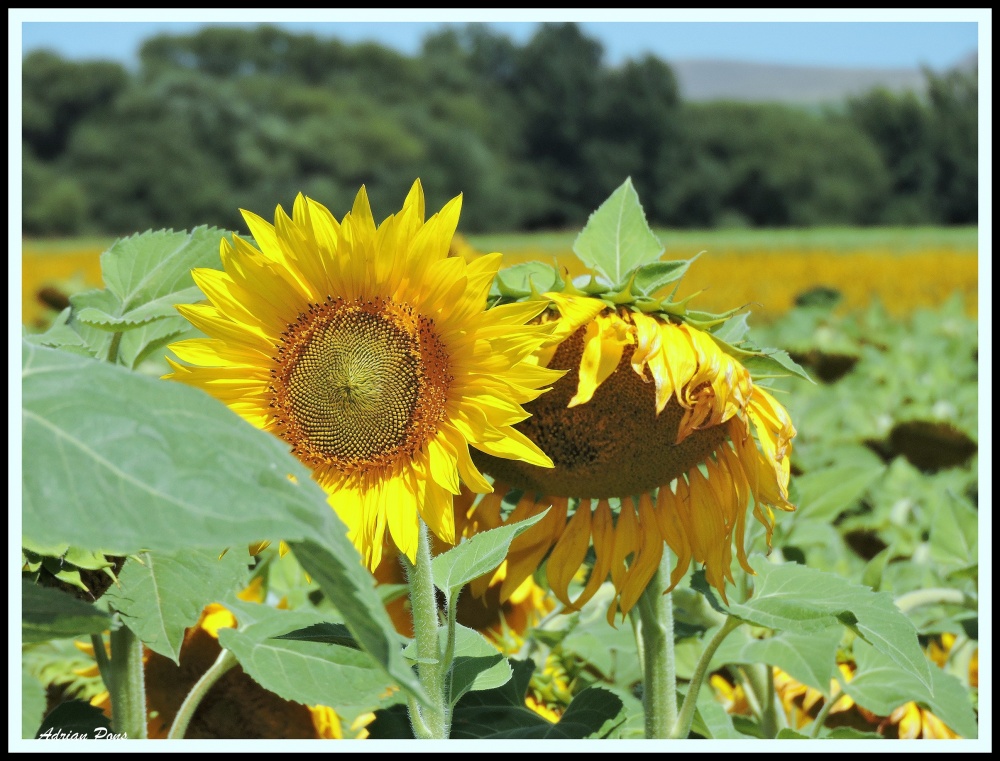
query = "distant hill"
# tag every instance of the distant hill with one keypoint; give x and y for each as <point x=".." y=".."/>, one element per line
<point x="701" y="80"/>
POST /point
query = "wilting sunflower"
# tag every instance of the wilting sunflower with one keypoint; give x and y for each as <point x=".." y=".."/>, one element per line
<point x="653" y="413"/>
<point x="368" y="349"/>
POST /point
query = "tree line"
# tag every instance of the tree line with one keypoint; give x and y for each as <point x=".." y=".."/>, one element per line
<point x="535" y="135"/>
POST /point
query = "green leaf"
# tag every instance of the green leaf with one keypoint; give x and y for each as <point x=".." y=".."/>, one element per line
<point x="94" y="308"/>
<point x="47" y="613"/>
<point x="151" y="272"/>
<point x="351" y="588"/>
<point x="790" y="734"/>
<point x="824" y="494"/>
<point x="711" y="720"/>
<point x="954" y="535"/>
<point x="165" y="593"/>
<point x="807" y="601"/>
<point x="61" y="335"/>
<point x="849" y="733"/>
<point x="74" y="720"/>
<point x="774" y="362"/>
<point x="588" y="715"/>
<point x="139" y="344"/>
<point x="32" y="704"/>
<point x="881" y="686"/>
<point x="652" y="277"/>
<point x="733" y="330"/>
<point x="874" y="568"/>
<point x="476" y="556"/>
<point x="121" y="462"/>
<point x="617" y="238"/>
<point x="327" y="633"/>
<point x="477" y="664"/>
<point x="519" y="280"/>
<point x="312" y="673"/>
<point x="809" y="658"/>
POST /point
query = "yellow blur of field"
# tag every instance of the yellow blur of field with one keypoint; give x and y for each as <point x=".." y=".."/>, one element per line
<point x="904" y="269"/>
<point x="51" y="269"/>
<point x="766" y="269"/>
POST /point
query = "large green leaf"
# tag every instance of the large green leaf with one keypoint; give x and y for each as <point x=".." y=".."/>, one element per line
<point x="617" y="238"/>
<point x="313" y="673"/>
<point x="592" y="713"/>
<point x="881" y="686"/>
<point x="351" y="588"/>
<point x="32" y="704"/>
<point x="825" y="493"/>
<point x="162" y="594"/>
<point x="802" y="600"/>
<point x="47" y="613"/>
<point x="955" y="533"/>
<point x="149" y="273"/>
<point x="477" y="664"/>
<point x="75" y="720"/>
<point x="476" y="556"/>
<point x="120" y="462"/>
<point x="809" y="658"/>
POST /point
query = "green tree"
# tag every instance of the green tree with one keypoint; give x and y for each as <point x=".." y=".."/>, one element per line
<point x="58" y="94"/>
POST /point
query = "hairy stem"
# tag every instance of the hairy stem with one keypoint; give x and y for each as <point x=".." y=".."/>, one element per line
<point x="656" y="644"/>
<point x="431" y="669"/>
<point x="683" y="725"/>
<point x="933" y="596"/>
<point x="127" y="685"/>
<point x="223" y="663"/>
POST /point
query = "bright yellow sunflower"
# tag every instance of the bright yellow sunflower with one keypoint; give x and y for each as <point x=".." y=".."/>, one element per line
<point x="370" y="351"/>
<point x="652" y="412"/>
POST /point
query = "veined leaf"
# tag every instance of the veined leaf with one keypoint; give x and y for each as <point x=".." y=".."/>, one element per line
<point x="478" y="555"/>
<point x="120" y="462"/>
<point x="794" y="598"/>
<point x="312" y="673"/>
<point x="617" y="238"/>
<point x="881" y="686"/>
<point x="48" y="613"/>
<point x="809" y="658"/>
<point x="338" y="570"/>
<point x="652" y="277"/>
<point x="150" y="272"/>
<point x="165" y="593"/>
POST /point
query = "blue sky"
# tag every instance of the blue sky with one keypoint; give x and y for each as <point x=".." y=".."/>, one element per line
<point x="822" y="38"/>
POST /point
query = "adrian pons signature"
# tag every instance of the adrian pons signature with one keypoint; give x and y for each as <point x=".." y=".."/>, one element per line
<point x="99" y="733"/>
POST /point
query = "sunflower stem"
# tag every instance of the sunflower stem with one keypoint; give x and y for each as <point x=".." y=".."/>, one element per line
<point x="116" y="339"/>
<point x="223" y="663"/>
<point x="683" y="725"/>
<point x="656" y="644"/>
<point x="824" y="712"/>
<point x="432" y="669"/>
<point x="101" y="656"/>
<point x="760" y="679"/>
<point x="934" y="595"/>
<point x="127" y="685"/>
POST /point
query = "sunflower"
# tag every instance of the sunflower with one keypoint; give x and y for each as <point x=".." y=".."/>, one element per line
<point x="653" y="414"/>
<point x="368" y="349"/>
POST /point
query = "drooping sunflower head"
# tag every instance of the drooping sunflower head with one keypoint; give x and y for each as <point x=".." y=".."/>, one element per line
<point x="657" y="432"/>
<point x="370" y="351"/>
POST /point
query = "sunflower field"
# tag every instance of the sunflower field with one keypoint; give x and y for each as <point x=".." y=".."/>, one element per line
<point x="358" y="476"/>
